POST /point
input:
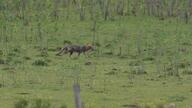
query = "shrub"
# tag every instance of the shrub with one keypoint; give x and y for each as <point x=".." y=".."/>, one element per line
<point x="108" y="46"/>
<point x="22" y="103"/>
<point x="176" y="98"/>
<point x="108" y="53"/>
<point x="188" y="72"/>
<point x="1" y="52"/>
<point x="2" y="61"/>
<point x="27" y="58"/>
<point x="147" y="106"/>
<point x="63" y="106"/>
<point x="16" y="50"/>
<point x="39" y="103"/>
<point x="67" y="42"/>
<point x="1" y="85"/>
<point x="183" y="64"/>
<point x="160" y="106"/>
<point x="12" y="54"/>
<point x="97" y="44"/>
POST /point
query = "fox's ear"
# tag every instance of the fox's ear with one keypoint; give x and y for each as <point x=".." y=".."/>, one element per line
<point x="88" y="44"/>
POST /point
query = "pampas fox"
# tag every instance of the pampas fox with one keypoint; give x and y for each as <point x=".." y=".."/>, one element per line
<point x="75" y="48"/>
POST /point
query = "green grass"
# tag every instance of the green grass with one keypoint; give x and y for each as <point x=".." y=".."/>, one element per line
<point x="110" y="80"/>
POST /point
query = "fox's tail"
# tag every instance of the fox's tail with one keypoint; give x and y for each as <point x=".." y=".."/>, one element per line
<point x="62" y="51"/>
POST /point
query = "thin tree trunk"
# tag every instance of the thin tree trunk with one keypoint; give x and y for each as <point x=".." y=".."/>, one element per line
<point x="81" y="10"/>
<point x="171" y="8"/>
<point x="78" y="102"/>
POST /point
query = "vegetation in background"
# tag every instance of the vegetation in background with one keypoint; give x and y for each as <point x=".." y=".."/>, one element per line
<point x="142" y="57"/>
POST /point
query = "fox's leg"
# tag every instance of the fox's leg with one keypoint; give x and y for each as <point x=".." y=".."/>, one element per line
<point x="84" y="54"/>
<point x="71" y="52"/>
<point x="79" y="53"/>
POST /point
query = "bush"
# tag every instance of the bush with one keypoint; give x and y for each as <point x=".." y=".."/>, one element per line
<point x="2" y="61"/>
<point x="176" y="98"/>
<point x="183" y="64"/>
<point x="63" y="106"/>
<point x="27" y="58"/>
<point x="67" y="42"/>
<point x="16" y="50"/>
<point x="147" y="106"/>
<point x="22" y="103"/>
<point x="97" y="44"/>
<point x="12" y="54"/>
<point x="1" y="52"/>
<point x="188" y="72"/>
<point x="39" y="103"/>
<point x="159" y="106"/>
<point x="108" y="53"/>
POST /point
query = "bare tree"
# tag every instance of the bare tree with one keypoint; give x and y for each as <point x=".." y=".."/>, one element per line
<point x="67" y="4"/>
<point x="81" y="9"/>
<point x="107" y="9"/>
<point x="24" y="18"/>
<point x="135" y="7"/>
<point x="120" y="7"/>
<point x="170" y="11"/>
<point x="190" y="6"/>
<point x="160" y="8"/>
<point x="55" y="10"/>
<point x="186" y="16"/>
<point x="148" y="7"/>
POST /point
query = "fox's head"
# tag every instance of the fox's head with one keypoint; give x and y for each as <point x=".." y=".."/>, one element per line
<point x="90" y="47"/>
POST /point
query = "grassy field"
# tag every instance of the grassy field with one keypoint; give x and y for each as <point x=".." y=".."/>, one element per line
<point x="143" y="74"/>
<point x="138" y="60"/>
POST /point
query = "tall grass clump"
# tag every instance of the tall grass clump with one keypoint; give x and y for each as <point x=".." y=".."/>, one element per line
<point x="39" y="103"/>
<point x="22" y="103"/>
